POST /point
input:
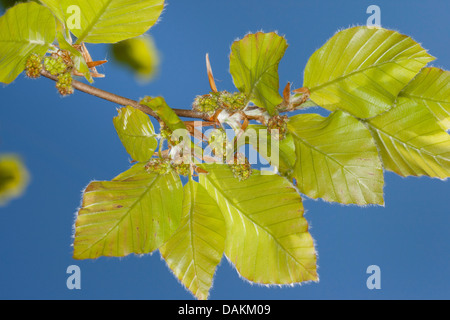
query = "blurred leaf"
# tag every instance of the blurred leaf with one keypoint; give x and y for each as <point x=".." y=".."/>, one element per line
<point x="254" y="66"/>
<point x="136" y="132"/>
<point x="337" y="159"/>
<point x="139" y="55"/>
<point x="267" y="236"/>
<point x="24" y="29"/>
<point x="14" y="178"/>
<point x="136" y="214"/>
<point x="196" y="248"/>
<point x="361" y="70"/>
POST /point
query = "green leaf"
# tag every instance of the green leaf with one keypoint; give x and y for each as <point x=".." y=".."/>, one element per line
<point x="136" y="132"/>
<point x="431" y="88"/>
<point x="174" y="123"/>
<point x="196" y="248"/>
<point x="77" y="58"/>
<point x="254" y="66"/>
<point x="108" y="21"/>
<point x="14" y="178"/>
<point x="361" y="70"/>
<point x="410" y="140"/>
<point x="267" y="236"/>
<point x="138" y="54"/>
<point x="135" y="213"/>
<point x="257" y="136"/>
<point x="337" y="159"/>
<point x="24" y="29"/>
<point x="167" y="115"/>
<point x="58" y="8"/>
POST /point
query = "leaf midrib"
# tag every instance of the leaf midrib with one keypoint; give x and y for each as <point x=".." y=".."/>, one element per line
<point x="323" y="153"/>
<point x="420" y="150"/>
<point x="259" y="226"/>
<point x="90" y="26"/>
<point x="325" y="84"/>
<point x="125" y="215"/>
<point x="414" y="97"/>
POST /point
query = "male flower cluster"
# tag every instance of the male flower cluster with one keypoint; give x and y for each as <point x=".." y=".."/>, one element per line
<point x="209" y="103"/>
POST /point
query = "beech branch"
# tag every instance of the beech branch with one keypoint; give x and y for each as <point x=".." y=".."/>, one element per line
<point x="86" y="88"/>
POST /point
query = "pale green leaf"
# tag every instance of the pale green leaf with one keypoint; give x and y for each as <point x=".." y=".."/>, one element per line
<point x="361" y="70"/>
<point x="14" y="177"/>
<point x="280" y="154"/>
<point x="107" y="21"/>
<point x="254" y="66"/>
<point x="136" y="132"/>
<point x="78" y="60"/>
<point x="267" y="236"/>
<point x="431" y="88"/>
<point x="196" y="248"/>
<point x="167" y="115"/>
<point x="138" y="54"/>
<point x="337" y="159"/>
<point x="135" y="213"/>
<point x="24" y="29"/>
<point x="58" y="7"/>
<point x="410" y="140"/>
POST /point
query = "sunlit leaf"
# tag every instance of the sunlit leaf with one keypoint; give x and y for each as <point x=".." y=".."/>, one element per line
<point x="135" y="213"/>
<point x="337" y="159"/>
<point x="14" y="178"/>
<point x="280" y="154"/>
<point x="431" y="88"/>
<point x="361" y="70"/>
<point x="136" y="132"/>
<point x="267" y="236"/>
<point x="254" y="66"/>
<point x="139" y="55"/>
<point x="108" y="21"/>
<point x="410" y="140"/>
<point x="58" y="7"/>
<point x="196" y="248"/>
<point x="24" y="29"/>
<point x="167" y="115"/>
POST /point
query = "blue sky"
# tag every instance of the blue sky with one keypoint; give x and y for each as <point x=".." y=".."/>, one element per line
<point x="68" y="142"/>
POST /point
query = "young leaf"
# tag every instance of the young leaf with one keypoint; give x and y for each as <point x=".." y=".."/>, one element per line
<point x="267" y="236"/>
<point x="196" y="248"/>
<point x="410" y="140"/>
<point x="259" y="138"/>
<point x="431" y="88"/>
<point x="337" y="159"/>
<point x="135" y="213"/>
<point x="14" y="178"/>
<point x="108" y="21"/>
<point x="254" y="66"/>
<point x="136" y="132"/>
<point x="24" y="29"/>
<point x="167" y="115"/>
<point x="58" y="8"/>
<point x="361" y="70"/>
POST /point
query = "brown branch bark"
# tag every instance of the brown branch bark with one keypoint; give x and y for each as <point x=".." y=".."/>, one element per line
<point x="86" y="88"/>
